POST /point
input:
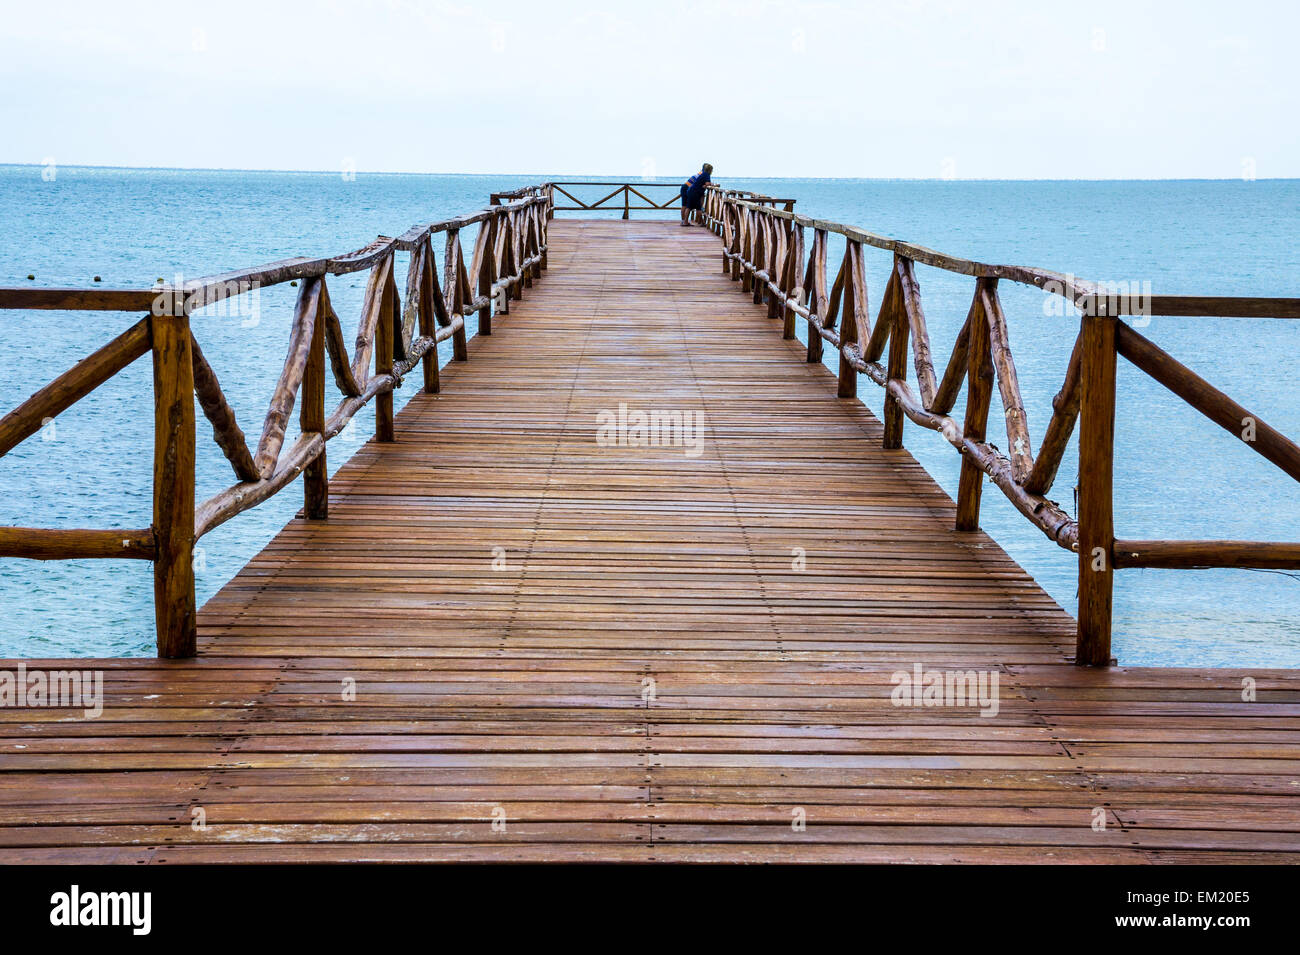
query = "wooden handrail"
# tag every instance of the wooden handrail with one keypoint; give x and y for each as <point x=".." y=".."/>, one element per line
<point x="763" y="248"/>
<point x="626" y="190"/>
<point x="509" y="254"/>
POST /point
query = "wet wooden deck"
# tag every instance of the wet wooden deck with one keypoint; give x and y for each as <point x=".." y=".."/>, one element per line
<point x="649" y="677"/>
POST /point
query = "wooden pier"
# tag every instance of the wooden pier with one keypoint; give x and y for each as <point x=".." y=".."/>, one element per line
<point x="509" y="640"/>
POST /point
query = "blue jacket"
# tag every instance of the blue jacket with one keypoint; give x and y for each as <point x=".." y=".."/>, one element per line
<point x="695" y="186"/>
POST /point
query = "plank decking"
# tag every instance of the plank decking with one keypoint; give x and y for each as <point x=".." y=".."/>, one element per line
<point x="509" y="642"/>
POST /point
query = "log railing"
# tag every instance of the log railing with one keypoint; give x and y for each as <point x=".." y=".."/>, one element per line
<point x="509" y="253"/>
<point x="619" y="198"/>
<point x="766" y="250"/>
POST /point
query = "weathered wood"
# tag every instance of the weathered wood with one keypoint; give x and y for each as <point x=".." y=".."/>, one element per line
<point x="949" y="387"/>
<point x="344" y="379"/>
<point x="1067" y="286"/>
<point x="225" y="428"/>
<point x="286" y="389"/>
<point x="173" y="484"/>
<point x="1262" y="555"/>
<point x="979" y="395"/>
<point x="791" y="283"/>
<point x="1209" y="401"/>
<point x="372" y="312"/>
<point x="42" y="543"/>
<point x="900" y="326"/>
<point x="427" y="317"/>
<point x="1096" y="462"/>
<point x="311" y="420"/>
<point x="1065" y="411"/>
<point x="483" y="268"/>
<point x="910" y="302"/>
<point x="852" y="287"/>
<point x="384" y="430"/>
<point x="817" y="298"/>
<point x="73" y="385"/>
<point x="873" y="348"/>
<point x="1209" y="306"/>
<point x="80" y="300"/>
<point x="1013" y="406"/>
<point x="506" y="263"/>
<point x="238" y="498"/>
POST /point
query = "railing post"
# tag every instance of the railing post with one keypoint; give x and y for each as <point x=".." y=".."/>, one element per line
<point x="979" y="393"/>
<point x="453" y="293"/>
<point x="541" y="237"/>
<point x="384" y="357"/>
<point x="815" y="295"/>
<point x="896" y="367"/>
<point x="487" y="267"/>
<point x="311" y="420"/>
<point x="1096" y="472"/>
<point x="425" y="311"/>
<point x="173" y="479"/>
<point x="521" y="238"/>
<point x="626" y="196"/>
<point x="850" y="270"/>
<point x="501" y="225"/>
<point x="736" y="244"/>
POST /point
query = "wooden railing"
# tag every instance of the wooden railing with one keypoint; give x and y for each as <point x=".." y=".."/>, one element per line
<point x="509" y="253"/>
<point x="610" y="201"/>
<point x="764" y="249"/>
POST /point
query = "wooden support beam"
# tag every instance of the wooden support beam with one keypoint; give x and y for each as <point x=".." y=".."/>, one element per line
<point x="1065" y="412"/>
<point x="949" y="387"/>
<point x="909" y="301"/>
<point x="791" y="276"/>
<point x="1018" y="446"/>
<point x="311" y="420"/>
<point x="896" y="369"/>
<point x="173" y="485"/>
<point x="1096" y="518"/>
<point x="854" y="312"/>
<point x="225" y="428"/>
<point x="306" y="317"/>
<point x="43" y="543"/>
<point x="453" y="289"/>
<point x="428" y="318"/>
<point x="814" y="284"/>
<point x="1260" y="555"/>
<point x="384" y="359"/>
<point x="979" y="394"/>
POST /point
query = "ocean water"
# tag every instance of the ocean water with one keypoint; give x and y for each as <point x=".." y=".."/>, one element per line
<point x="1177" y="475"/>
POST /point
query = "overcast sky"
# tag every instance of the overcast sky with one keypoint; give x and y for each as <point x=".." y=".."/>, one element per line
<point x="1035" y="89"/>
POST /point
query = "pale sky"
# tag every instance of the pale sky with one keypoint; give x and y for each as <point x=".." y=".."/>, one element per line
<point x="1034" y="89"/>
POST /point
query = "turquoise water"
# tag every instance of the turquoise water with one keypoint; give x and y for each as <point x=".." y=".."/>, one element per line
<point x="1177" y="474"/>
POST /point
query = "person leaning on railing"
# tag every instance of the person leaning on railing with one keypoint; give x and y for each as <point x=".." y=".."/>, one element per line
<point x="693" y="193"/>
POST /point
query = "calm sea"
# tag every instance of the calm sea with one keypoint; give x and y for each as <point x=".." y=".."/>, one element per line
<point x="1177" y="474"/>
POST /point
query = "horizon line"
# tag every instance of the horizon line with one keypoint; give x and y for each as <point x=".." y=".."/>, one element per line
<point x="618" y="178"/>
